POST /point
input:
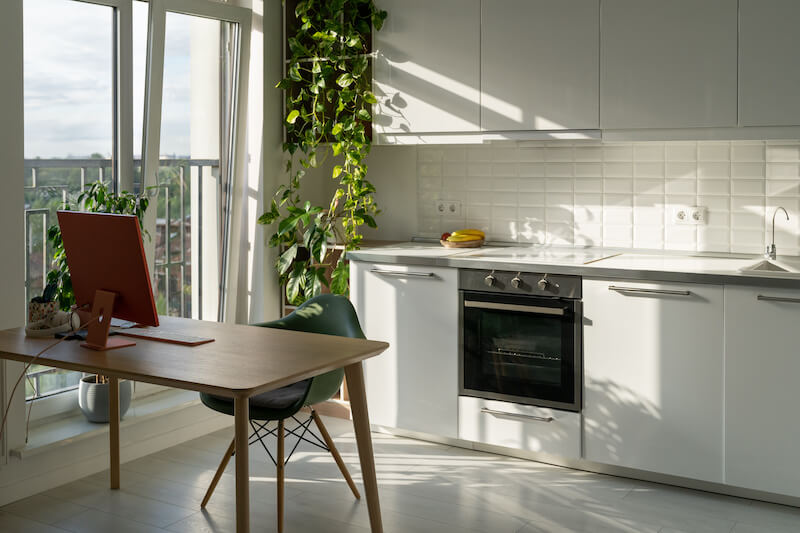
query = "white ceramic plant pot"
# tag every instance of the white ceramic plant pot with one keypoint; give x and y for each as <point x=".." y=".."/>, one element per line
<point x="93" y="399"/>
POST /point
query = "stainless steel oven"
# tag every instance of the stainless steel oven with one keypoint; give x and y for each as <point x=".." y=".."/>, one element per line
<point x="521" y="338"/>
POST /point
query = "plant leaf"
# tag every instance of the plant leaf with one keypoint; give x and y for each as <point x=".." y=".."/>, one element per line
<point x="345" y="80"/>
<point x="287" y="224"/>
<point x="286" y="259"/>
<point x="292" y="116"/>
<point x="295" y="282"/>
<point x="340" y="277"/>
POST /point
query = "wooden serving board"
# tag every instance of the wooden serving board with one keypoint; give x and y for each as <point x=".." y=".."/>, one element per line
<point x="464" y="244"/>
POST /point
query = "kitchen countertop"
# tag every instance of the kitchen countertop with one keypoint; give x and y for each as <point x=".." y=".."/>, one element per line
<point x="686" y="267"/>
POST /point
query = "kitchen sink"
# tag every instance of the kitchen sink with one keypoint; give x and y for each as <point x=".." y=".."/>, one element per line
<point x="767" y="266"/>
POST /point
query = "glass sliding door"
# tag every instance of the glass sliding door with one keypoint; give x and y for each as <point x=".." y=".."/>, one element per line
<point x="196" y="95"/>
<point x="193" y="92"/>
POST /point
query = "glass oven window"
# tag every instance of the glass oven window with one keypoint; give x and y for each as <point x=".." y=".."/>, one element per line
<point x="517" y="353"/>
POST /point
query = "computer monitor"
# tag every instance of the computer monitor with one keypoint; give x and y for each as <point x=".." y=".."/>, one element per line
<point x="108" y="267"/>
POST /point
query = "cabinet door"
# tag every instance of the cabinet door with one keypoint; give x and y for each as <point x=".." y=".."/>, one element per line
<point x="413" y="384"/>
<point x="769" y="65"/>
<point x="762" y="421"/>
<point x="540" y="64"/>
<point x="426" y="75"/>
<point x="653" y="364"/>
<point x="668" y="64"/>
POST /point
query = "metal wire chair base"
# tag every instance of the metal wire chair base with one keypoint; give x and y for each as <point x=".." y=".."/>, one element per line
<point x="261" y="432"/>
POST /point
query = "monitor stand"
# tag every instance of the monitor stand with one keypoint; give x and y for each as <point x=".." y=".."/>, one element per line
<point x="97" y="336"/>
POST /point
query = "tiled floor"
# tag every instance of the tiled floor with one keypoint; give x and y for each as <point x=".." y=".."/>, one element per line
<point x="424" y="488"/>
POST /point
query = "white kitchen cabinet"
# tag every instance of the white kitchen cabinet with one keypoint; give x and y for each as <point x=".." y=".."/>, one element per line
<point x="521" y="427"/>
<point x="413" y="385"/>
<point x="769" y="65"/>
<point x="540" y="64"/>
<point x="668" y="64"/>
<point x="427" y="72"/>
<point x="762" y="368"/>
<point x="653" y="377"/>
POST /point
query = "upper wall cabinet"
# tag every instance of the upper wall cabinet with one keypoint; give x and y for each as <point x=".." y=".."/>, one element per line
<point x="426" y="75"/>
<point x="769" y="64"/>
<point x="669" y="64"/>
<point x="540" y="64"/>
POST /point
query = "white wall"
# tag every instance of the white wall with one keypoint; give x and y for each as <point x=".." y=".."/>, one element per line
<point x="392" y="169"/>
<point x="12" y="266"/>
<point x="265" y="304"/>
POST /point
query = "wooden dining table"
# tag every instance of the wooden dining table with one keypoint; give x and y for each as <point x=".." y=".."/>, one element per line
<point x="243" y="361"/>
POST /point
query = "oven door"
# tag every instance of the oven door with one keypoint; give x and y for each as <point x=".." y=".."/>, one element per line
<point x="523" y="349"/>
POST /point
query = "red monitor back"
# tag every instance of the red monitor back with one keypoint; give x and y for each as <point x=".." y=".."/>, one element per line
<point x="106" y="252"/>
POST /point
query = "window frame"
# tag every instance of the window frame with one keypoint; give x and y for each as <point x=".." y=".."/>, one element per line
<point x="123" y="126"/>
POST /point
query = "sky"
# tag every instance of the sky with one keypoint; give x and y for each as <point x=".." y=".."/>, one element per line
<point x="68" y="80"/>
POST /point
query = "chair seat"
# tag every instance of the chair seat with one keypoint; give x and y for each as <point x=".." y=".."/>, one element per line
<point x="271" y="405"/>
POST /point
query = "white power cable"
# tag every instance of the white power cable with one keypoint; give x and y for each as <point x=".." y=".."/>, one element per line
<point x="25" y="373"/>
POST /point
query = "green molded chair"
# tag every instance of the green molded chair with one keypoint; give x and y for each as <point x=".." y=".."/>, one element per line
<point x="328" y="314"/>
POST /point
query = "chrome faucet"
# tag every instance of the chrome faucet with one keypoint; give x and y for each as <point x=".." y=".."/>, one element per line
<point x="771" y="253"/>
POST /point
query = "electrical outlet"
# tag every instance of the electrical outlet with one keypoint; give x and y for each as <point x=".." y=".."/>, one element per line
<point x="448" y="208"/>
<point x="690" y="215"/>
<point x="699" y="215"/>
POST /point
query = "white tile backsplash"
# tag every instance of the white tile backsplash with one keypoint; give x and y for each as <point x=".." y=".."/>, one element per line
<point x="616" y="194"/>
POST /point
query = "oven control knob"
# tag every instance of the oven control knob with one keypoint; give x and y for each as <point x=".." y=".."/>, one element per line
<point x="489" y="280"/>
<point x="516" y="282"/>
<point x="543" y="284"/>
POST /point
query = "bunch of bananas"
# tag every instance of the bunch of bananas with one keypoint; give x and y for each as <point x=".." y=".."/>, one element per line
<point x="464" y="235"/>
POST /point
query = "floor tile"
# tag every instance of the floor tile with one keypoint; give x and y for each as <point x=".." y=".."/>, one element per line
<point x="94" y="521"/>
<point x="43" y="509"/>
<point x="10" y="523"/>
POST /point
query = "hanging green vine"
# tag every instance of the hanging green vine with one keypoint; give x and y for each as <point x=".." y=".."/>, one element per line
<point x="329" y="99"/>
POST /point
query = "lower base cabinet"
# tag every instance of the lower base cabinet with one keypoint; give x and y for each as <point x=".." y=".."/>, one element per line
<point x="653" y="377"/>
<point x="522" y="427"/>
<point x="413" y="385"/>
<point x="762" y="379"/>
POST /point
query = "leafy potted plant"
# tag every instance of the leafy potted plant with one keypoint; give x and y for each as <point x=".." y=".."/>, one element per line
<point x="328" y="102"/>
<point x="93" y="389"/>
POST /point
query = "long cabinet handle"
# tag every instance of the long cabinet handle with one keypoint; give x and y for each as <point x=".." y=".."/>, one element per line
<point x="402" y="274"/>
<point x="649" y="291"/>
<point x="778" y="299"/>
<point x="488" y="411"/>
<point x="515" y="307"/>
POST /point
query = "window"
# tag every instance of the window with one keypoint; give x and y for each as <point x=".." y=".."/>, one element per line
<point x="69" y="131"/>
<point x="92" y="89"/>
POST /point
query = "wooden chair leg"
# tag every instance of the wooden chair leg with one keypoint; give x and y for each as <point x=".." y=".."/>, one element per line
<point x="279" y="468"/>
<point x="218" y="475"/>
<point x="335" y="453"/>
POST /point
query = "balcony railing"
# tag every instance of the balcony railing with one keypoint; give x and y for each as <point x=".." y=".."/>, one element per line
<point x="49" y="183"/>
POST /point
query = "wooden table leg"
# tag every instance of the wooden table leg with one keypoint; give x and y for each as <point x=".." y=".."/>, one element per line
<point x="241" y="410"/>
<point x="358" y="404"/>
<point x="113" y="429"/>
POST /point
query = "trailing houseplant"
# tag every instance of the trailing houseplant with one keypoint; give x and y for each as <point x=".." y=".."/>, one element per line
<point x="328" y="102"/>
<point x="93" y="390"/>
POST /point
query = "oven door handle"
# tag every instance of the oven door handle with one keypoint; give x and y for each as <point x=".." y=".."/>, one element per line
<point x="488" y="411"/>
<point x="514" y="307"/>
